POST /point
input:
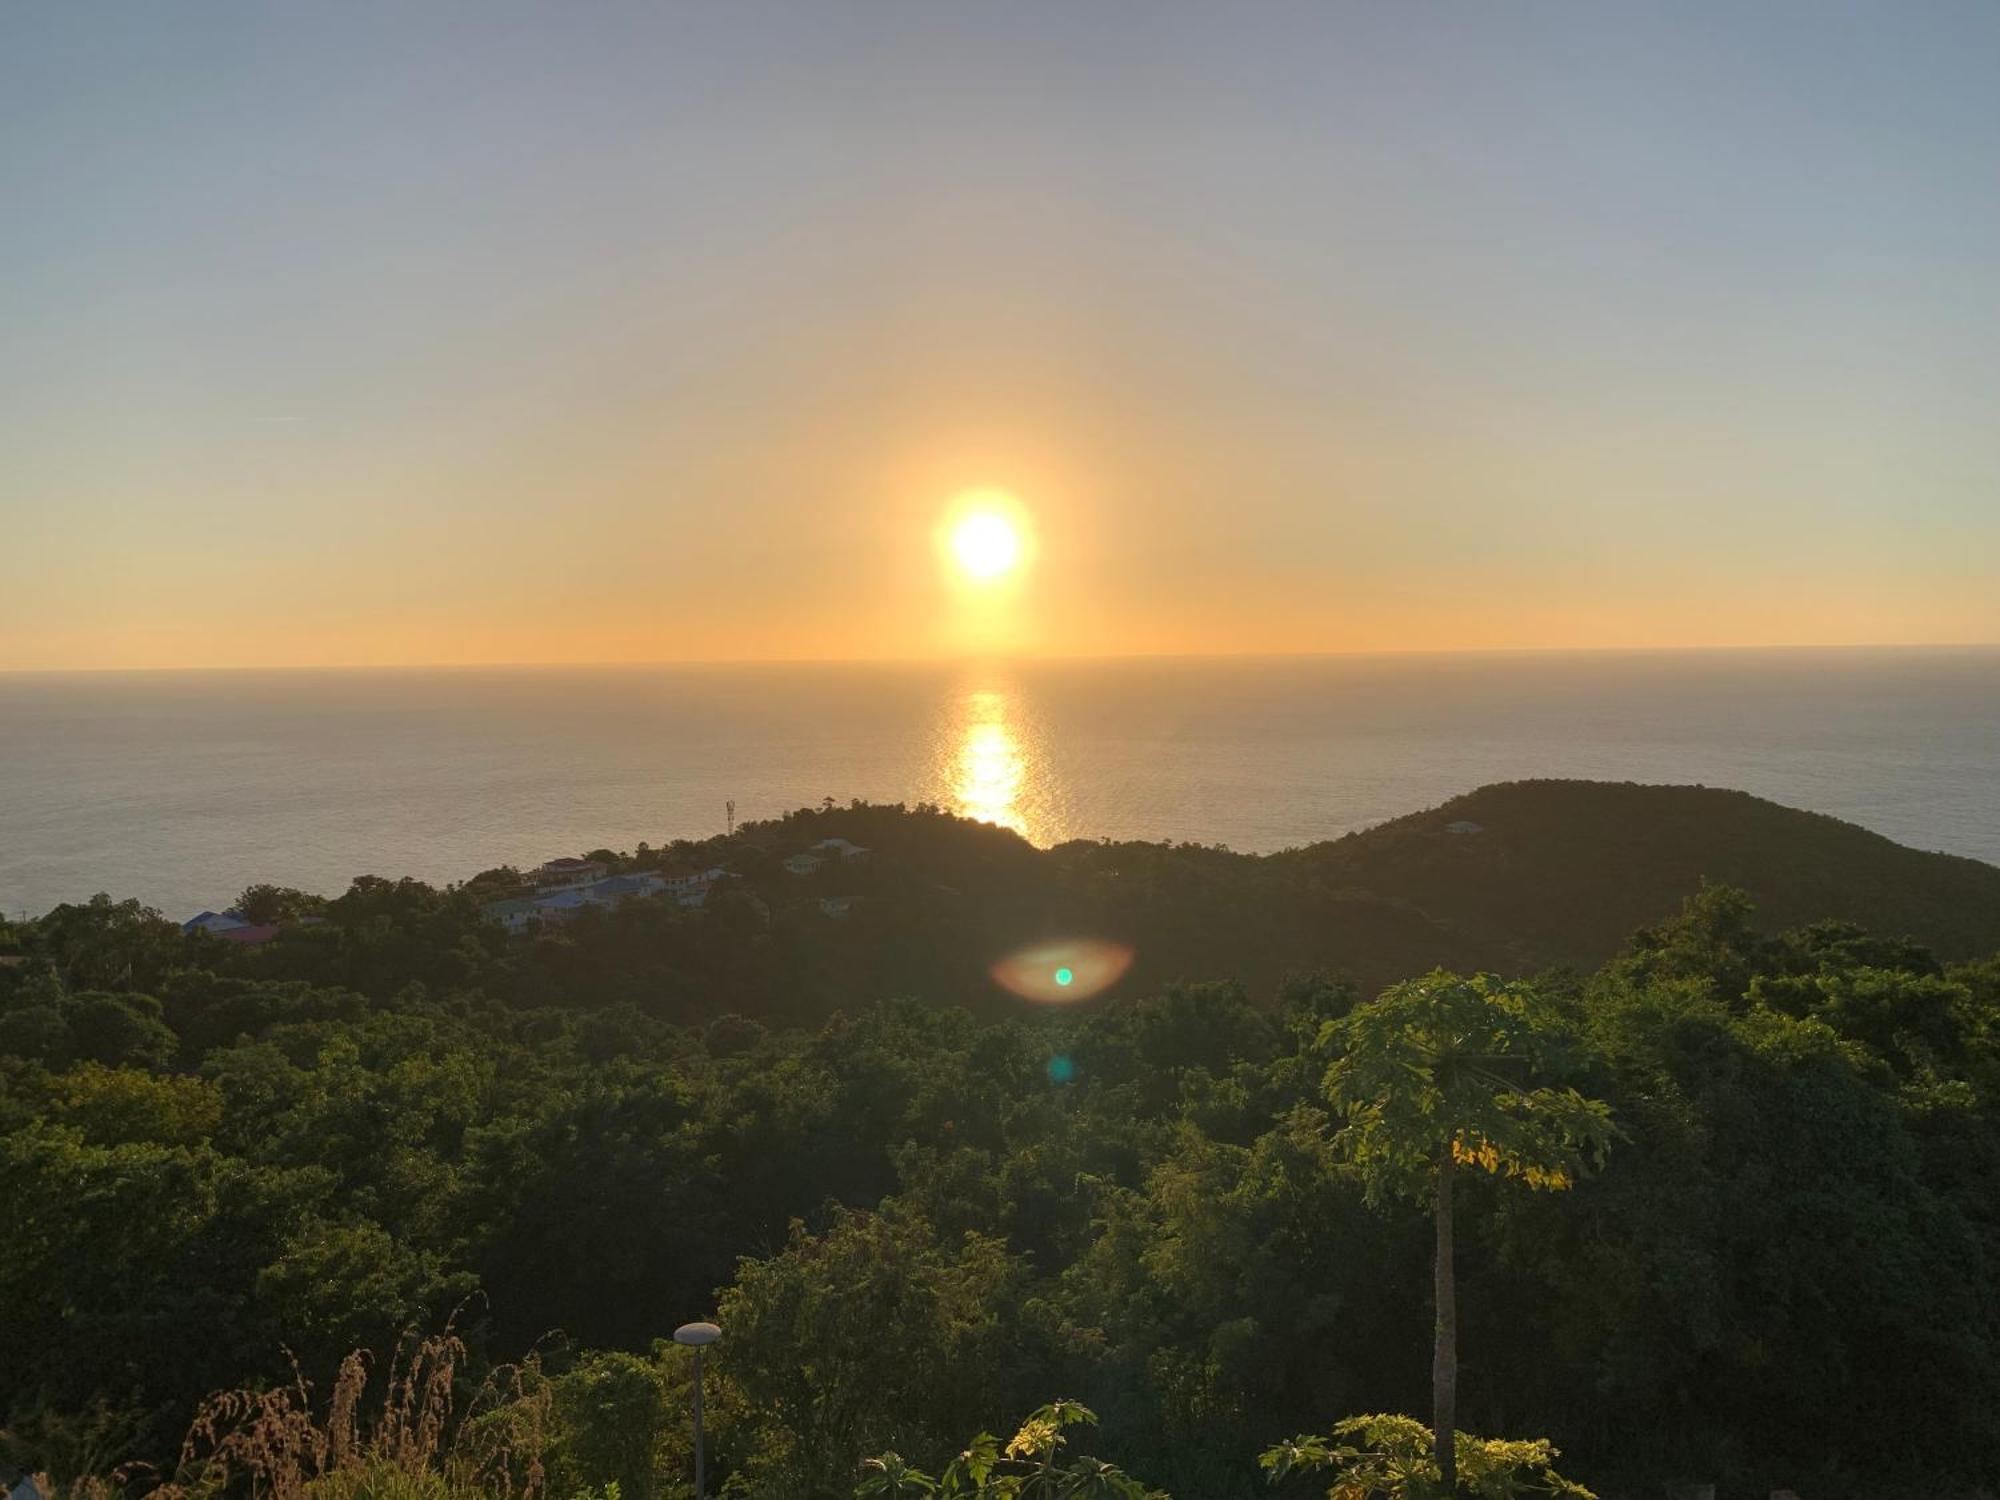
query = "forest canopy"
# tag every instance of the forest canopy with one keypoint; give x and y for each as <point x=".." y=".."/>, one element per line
<point x="921" y="1212"/>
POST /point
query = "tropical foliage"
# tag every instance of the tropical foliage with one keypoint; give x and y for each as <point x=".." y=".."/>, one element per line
<point x="1030" y="1466"/>
<point x="1444" y="1073"/>
<point x="1394" y="1458"/>
<point x="227" y="1169"/>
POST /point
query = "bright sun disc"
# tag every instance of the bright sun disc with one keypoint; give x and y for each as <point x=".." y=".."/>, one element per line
<point x="986" y="544"/>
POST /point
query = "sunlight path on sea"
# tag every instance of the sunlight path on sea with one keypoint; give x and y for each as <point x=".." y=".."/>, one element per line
<point x="990" y="769"/>
<point x="991" y="763"/>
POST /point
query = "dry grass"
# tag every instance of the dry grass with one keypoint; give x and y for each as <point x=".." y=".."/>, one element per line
<point x="416" y="1444"/>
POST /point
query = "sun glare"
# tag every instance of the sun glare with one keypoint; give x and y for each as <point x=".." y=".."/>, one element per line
<point x="986" y="537"/>
<point x="986" y="545"/>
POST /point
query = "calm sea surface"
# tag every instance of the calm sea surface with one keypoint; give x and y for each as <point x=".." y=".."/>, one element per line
<point x="181" y="788"/>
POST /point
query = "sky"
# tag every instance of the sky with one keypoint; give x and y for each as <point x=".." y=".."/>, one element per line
<point x="395" y="333"/>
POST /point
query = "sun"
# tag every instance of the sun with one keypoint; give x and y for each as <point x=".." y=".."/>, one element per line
<point x="986" y="545"/>
<point x="986" y="536"/>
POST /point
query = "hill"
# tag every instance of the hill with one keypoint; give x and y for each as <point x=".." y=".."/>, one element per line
<point x="1565" y="871"/>
<point x="1540" y="874"/>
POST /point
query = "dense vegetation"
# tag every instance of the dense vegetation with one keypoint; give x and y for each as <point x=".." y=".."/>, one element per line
<point x="920" y="1211"/>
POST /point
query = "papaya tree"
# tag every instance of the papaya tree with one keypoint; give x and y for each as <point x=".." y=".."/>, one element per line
<point x="1031" y="1466"/>
<point x="1388" y="1457"/>
<point x="1445" y="1074"/>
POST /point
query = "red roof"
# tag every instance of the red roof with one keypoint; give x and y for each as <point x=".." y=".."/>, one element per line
<point x="247" y="935"/>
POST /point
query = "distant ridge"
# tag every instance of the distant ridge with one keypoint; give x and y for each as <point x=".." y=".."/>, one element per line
<point x="1515" y="878"/>
<point x="1565" y="871"/>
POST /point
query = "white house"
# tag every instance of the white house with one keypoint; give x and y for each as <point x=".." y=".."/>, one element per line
<point x="567" y="874"/>
<point x="621" y="888"/>
<point x="679" y="880"/>
<point x="835" y="906"/>
<point x="841" y="848"/>
<point x="1463" y="825"/>
<point x="804" y="864"/>
<point x="515" y="916"/>
<point x="559" y="906"/>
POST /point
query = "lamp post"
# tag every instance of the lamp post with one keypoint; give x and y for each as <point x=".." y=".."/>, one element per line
<point x="698" y="1336"/>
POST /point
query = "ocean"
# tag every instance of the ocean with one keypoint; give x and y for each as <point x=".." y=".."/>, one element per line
<point x="180" y="788"/>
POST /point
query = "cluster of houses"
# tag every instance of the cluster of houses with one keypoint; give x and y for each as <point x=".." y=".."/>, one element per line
<point x="826" y="851"/>
<point x="564" y="887"/>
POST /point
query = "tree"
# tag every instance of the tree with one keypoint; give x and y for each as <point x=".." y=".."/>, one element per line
<point x="106" y="944"/>
<point x="1030" y="1467"/>
<point x="267" y="904"/>
<point x="1397" y="1462"/>
<point x="1440" y="1073"/>
<point x="611" y="1416"/>
<point x="874" y="1334"/>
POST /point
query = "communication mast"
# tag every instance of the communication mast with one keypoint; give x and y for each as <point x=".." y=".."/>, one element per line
<point x="729" y="808"/>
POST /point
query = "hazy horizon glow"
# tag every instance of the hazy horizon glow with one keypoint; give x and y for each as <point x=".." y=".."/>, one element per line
<point x="384" y="335"/>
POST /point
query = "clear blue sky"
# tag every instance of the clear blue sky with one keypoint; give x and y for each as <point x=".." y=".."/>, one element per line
<point x="416" y="331"/>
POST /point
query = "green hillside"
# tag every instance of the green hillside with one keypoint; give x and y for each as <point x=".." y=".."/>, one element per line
<point x="1550" y="873"/>
<point x="801" y="1107"/>
<point x="1564" y="871"/>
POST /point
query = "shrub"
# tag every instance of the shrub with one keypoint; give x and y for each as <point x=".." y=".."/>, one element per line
<point x="1394" y="1461"/>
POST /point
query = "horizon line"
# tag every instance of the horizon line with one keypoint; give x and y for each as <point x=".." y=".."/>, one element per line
<point x="962" y="658"/>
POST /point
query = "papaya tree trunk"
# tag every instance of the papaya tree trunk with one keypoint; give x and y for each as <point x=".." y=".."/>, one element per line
<point x="1444" y="1350"/>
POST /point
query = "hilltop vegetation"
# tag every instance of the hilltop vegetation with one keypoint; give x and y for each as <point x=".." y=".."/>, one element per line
<point x="1558" y="874"/>
<point x="1563" y="871"/>
<point x="920" y="1209"/>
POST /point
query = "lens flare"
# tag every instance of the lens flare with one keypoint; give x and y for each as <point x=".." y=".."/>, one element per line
<point x="1062" y="973"/>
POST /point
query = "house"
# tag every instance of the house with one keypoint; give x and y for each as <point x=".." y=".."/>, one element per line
<point x="567" y="874"/>
<point x="559" y="906"/>
<point x="560" y="903"/>
<point x="15" y="1486"/>
<point x="230" y="927"/>
<point x="841" y="848"/>
<point x="680" y="881"/>
<point x="699" y="884"/>
<point x="617" y="889"/>
<point x="217" y="922"/>
<point x="835" y="906"/>
<point x="1463" y="825"/>
<point x="515" y="916"/>
<point x="804" y="864"/>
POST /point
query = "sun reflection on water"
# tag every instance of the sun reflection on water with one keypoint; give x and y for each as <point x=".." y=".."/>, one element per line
<point x="988" y="764"/>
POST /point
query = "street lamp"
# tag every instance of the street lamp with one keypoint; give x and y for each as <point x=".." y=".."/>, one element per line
<point x="698" y="1336"/>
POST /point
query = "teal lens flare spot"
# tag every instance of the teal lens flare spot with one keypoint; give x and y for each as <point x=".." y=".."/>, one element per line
<point x="1064" y="977"/>
<point x="1061" y="1069"/>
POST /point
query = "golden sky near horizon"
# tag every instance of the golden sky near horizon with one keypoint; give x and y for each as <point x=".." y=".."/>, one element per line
<point x="373" y="336"/>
